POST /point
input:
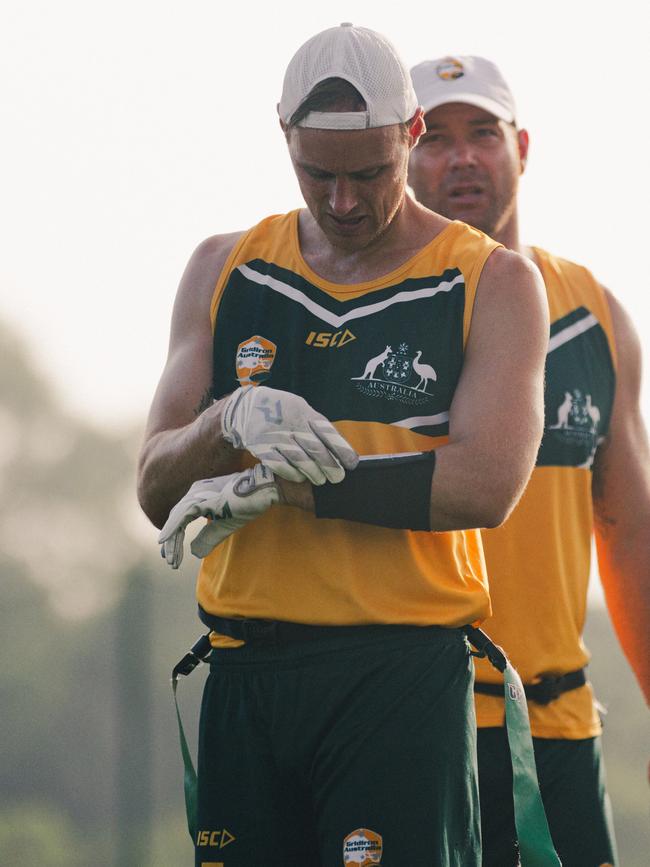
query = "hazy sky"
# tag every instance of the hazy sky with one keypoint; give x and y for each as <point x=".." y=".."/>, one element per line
<point x="132" y="130"/>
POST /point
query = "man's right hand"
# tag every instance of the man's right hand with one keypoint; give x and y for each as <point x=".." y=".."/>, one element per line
<point x="287" y="435"/>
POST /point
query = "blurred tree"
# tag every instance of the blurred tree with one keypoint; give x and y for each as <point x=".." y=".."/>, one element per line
<point x="133" y="651"/>
<point x="67" y="508"/>
<point x="31" y="836"/>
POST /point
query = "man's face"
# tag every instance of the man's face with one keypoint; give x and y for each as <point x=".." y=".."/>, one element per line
<point x="352" y="181"/>
<point x="467" y="166"/>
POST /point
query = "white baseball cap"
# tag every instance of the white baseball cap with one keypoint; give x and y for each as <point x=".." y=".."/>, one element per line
<point x="365" y="59"/>
<point x="473" y="80"/>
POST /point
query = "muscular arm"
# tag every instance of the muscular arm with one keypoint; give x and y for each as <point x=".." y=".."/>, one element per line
<point x="496" y="417"/>
<point x="621" y="496"/>
<point x="182" y="441"/>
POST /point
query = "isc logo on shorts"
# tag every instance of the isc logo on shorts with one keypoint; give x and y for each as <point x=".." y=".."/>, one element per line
<point x="214" y="839"/>
<point x="254" y="360"/>
<point x="362" y="848"/>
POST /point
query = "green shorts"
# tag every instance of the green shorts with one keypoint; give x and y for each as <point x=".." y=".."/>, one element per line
<point x="353" y="749"/>
<point x="572" y="783"/>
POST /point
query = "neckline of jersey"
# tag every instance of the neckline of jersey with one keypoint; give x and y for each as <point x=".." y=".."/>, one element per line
<point x="358" y="288"/>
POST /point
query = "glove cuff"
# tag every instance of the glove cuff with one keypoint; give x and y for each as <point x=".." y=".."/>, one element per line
<point x="253" y="480"/>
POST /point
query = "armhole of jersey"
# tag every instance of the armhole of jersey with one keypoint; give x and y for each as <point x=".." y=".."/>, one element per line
<point x="225" y="273"/>
<point x="472" y="285"/>
<point x="603" y="313"/>
<point x="607" y="323"/>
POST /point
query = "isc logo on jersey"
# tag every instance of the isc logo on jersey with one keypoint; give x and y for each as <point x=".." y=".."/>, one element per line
<point x="327" y="339"/>
<point x="362" y="848"/>
<point x="254" y="360"/>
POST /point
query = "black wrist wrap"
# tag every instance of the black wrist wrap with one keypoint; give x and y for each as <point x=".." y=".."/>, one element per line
<point x="385" y="490"/>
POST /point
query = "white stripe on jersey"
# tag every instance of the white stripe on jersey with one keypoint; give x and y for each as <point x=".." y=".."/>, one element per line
<point x="358" y="312"/>
<point x="571" y="331"/>
<point x="422" y="420"/>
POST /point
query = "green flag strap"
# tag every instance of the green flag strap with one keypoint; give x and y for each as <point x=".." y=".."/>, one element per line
<point x="189" y="775"/>
<point x="535" y="844"/>
<point x="198" y="653"/>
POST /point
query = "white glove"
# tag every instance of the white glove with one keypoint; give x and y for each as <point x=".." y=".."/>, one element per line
<point x="231" y="501"/>
<point x="286" y="434"/>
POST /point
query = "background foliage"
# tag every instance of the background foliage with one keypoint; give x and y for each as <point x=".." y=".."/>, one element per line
<point x="90" y="627"/>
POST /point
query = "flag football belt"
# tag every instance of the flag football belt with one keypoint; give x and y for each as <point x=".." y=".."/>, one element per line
<point x="285" y="632"/>
<point x="535" y="844"/>
<point x="543" y="691"/>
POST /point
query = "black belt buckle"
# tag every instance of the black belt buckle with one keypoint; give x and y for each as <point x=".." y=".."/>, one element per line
<point x="486" y="647"/>
<point x="546" y="690"/>
<point x="197" y="654"/>
<point x="260" y="631"/>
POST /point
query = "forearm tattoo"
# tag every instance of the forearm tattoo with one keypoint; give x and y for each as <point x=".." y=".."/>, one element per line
<point x="205" y="402"/>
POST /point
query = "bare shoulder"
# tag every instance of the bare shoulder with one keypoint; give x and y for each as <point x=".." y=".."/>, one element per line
<point x="199" y="280"/>
<point x="508" y="269"/>
<point x="515" y="284"/>
<point x="206" y="263"/>
<point x="217" y="247"/>
<point x="628" y="344"/>
<point x="621" y="468"/>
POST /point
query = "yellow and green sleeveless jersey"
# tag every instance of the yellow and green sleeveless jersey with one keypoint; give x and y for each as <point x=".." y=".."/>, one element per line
<point x="539" y="560"/>
<point x="381" y="360"/>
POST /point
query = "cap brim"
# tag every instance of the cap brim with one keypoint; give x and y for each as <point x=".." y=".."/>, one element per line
<point x="476" y="99"/>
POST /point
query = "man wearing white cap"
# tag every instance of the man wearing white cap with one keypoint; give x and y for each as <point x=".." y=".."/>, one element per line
<point x="337" y="723"/>
<point x="592" y="472"/>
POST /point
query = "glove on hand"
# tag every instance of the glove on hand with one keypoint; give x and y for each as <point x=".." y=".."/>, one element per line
<point x="287" y="435"/>
<point x="231" y="501"/>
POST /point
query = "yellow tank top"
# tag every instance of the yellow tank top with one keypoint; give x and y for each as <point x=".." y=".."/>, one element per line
<point x="381" y="360"/>
<point x="539" y="560"/>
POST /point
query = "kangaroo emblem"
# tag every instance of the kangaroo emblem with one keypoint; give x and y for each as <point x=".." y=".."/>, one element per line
<point x="563" y="412"/>
<point x="373" y="364"/>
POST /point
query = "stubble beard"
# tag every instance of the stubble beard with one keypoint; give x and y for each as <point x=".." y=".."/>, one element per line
<point x="375" y="234"/>
<point x="489" y="221"/>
